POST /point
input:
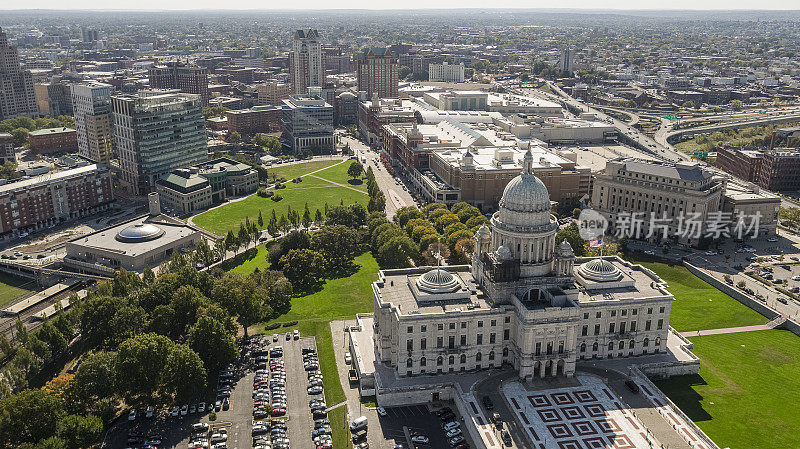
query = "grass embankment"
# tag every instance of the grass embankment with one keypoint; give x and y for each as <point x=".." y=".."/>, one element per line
<point x="12" y="287"/>
<point x="740" y="396"/>
<point x="698" y="305"/>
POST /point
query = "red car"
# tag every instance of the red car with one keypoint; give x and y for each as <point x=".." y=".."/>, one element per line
<point x="280" y="411"/>
<point x="325" y="446"/>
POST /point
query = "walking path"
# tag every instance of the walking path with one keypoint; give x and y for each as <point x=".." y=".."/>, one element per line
<point x="726" y="330"/>
<point x="338" y="184"/>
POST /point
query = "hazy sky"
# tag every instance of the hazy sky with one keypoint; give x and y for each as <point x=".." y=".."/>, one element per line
<point x="386" y="4"/>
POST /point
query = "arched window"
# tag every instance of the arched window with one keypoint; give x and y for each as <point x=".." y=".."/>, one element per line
<point x="658" y="341"/>
<point x="439" y="361"/>
<point x="505" y="352"/>
<point x="463" y="358"/>
<point x="594" y="347"/>
<point x="491" y="355"/>
<point x="583" y="347"/>
<point x="478" y="357"/>
<point x="646" y="342"/>
<point x="451" y="360"/>
<point x="631" y="344"/>
<point x="610" y="345"/>
<point x="409" y="362"/>
<point x="621" y="345"/>
<point x="423" y="361"/>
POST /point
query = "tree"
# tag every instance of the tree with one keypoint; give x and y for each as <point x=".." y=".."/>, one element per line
<point x="242" y="297"/>
<point x="244" y="235"/>
<point x="184" y="374"/>
<point x="377" y="203"/>
<point x="234" y="137"/>
<point x="303" y="267"/>
<point x="260" y="219"/>
<point x="231" y="243"/>
<point x="688" y="104"/>
<point x="434" y="252"/>
<point x="463" y="251"/>
<point x="28" y="417"/>
<point x="80" y="432"/>
<point x="19" y="136"/>
<point x="397" y="252"/>
<point x="214" y="111"/>
<point x="215" y="346"/>
<point x="148" y="276"/>
<point x="571" y="235"/>
<point x="318" y="217"/>
<point x="284" y="225"/>
<point x="338" y="244"/>
<point x="736" y="105"/>
<point x="139" y="363"/>
<point x="355" y="170"/>
<point x="203" y="253"/>
<point x="107" y="321"/>
<point x="306" y="220"/>
<point x="405" y="214"/>
<point x="95" y="376"/>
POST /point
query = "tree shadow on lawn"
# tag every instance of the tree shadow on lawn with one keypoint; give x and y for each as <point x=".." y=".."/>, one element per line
<point x="239" y="259"/>
<point x="355" y="182"/>
<point x="330" y="274"/>
<point x="679" y="390"/>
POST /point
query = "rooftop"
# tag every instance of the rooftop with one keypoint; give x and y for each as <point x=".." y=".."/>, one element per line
<point x="107" y="239"/>
<point x="48" y="131"/>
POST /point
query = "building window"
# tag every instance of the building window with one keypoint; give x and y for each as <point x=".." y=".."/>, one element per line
<point x="621" y="345"/>
<point x="586" y="316"/>
<point x="451" y="342"/>
<point x="646" y="342"/>
<point x="658" y="341"/>
<point x="633" y="326"/>
<point x="463" y="358"/>
<point x="549" y="347"/>
<point x="649" y="310"/>
<point x="480" y="323"/>
<point x="538" y="347"/>
<point x="631" y="344"/>
<point x="594" y="347"/>
<point x="463" y="325"/>
<point x="480" y="339"/>
<point x="610" y="345"/>
<point x="622" y="327"/>
<point x="506" y="334"/>
<point x="507" y="319"/>
<point x="452" y="326"/>
<point x="599" y="315"/>
<point x="423" y="344"/>
<point x="439" y="342"/>
<point x="624" y="312"/>
<point x="660" y="324"/>
<point x="410" y="345"/>
<point x="613" y="313"/>
<point x="597" y="329"/>
<point x="493" y="322"/>
<point x="451" y="360"/>
<point x="583" y="347"/>
<point x="647" y="325"/>
<point x="423" y="328"/>
<point x="423" y="361"/>
<point x="409" y="363"/>
<point x="611" y="328"/>
<point x="491" y="338"/>
<point x="410" y="329"/>
<point x="505" y="352"/>
<point x="439" y="361"/>
<point x="478" y="357"/>
<point x="660" y="310"/>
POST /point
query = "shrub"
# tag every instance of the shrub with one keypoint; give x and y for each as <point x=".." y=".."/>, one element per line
<point x="290" y="323"/>
<point x="297" y="180"/>
<point x="272" y="326"/>
<point x="276" y="198"/>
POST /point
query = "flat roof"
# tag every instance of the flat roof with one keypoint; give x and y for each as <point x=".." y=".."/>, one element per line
<point x="484" y="158"/>
<point x="105" y="239"/>
<point x="59" y="130"/>
<point x="48" y="178"/>
<point x="397" y="291"/>
<point x="646" y="284"/>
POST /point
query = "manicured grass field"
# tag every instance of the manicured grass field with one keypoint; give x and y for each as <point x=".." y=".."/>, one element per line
<point x="12" y="288"/>
<point x="339" y="174"/>
<point x="228" y="217"/>
<point x="698" y="305"/>
<point x="247" y="261"/>
<point x="742" y="397"/>
<point x="339" y="299"/>
<point x="295" y="170"/>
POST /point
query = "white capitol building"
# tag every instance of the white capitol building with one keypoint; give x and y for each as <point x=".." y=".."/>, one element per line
<point x="524" y="302"/>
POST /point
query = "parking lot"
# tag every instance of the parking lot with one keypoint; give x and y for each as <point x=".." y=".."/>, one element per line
<point x="175" y="432"/>
<point x="418" y="419"/>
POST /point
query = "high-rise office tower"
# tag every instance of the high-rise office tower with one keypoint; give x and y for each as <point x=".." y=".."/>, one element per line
<point x="306" y="65"/>
<point x="91" y="103"/>
<point x="156" y="134"/>
<point x="177" y="75"/>
<point x="378" y="72"/>
<point x="17" y="96"/>
<point x="567" y="61"/>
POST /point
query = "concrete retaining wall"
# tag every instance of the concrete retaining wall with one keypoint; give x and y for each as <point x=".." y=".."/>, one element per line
<point x="732" y="291"/>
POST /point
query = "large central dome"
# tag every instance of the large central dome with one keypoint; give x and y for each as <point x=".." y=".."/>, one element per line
<point x="525" y="200"/>
<point x="142" y="232"/>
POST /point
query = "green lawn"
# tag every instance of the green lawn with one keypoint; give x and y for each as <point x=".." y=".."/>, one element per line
<point x="295" y="170"/>
<point x="228" y="217"/>
<point x="12" y="288"/>
<point x="339" y="299"/>
<point x="339" y="174"/>
<point x="742" y="397"/>
<point x="247" y="261"/>
<point x="700" y="306"/>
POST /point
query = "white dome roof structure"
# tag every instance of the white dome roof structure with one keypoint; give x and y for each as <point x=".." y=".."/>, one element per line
<point x="503" y="253"/>
<point x="565" y="249"/>
<point x="525" y="201"/>
<point x="600" y="270"/>
<point x="141" y="232"/>
<point x="438" y="281"/>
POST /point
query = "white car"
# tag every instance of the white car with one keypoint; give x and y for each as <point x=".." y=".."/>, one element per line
<point x="381" y="411"/>
<point x="184" y="409"/>
<point x="201" y="408"/>
<point x="132" y="415"/>
<point x="452" y="425"/>
<point x="453" y="433"/>
<point x="796" y="278"/>
<point x="175" y="411"/>
<point x="420" y="439"/>
<point x="149" y="412"/>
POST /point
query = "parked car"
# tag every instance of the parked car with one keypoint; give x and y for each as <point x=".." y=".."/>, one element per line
<point x="132" y="415"/>
<point x="148" y="413"/>
<point x="381" y="411"/>
<point x="420" y="439"/>
<point x="455" y="441"/>
<point x="632" y="386"/>
<point x="453" y="433"/>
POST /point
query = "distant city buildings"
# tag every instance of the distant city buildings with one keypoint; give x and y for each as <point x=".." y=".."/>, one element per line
<point x="446" y="73"/>
<point x="566" y="62"/>
<point x="186" y="78"/>
<point x="258" y="119"/>
<point x="46" y="200"/>
<point x="17" y="94"/>
<point x="53" y="98"/>
<point x="378" y="73"/>
<point x="307" y="124"/>
<point x="93" y="120"/>
<point x="306" y="65"/>
<point x="155" y="135"/>
<point x="187" y="190"/>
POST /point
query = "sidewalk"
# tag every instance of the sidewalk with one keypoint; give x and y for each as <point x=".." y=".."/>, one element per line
<point x="726" y="330"/>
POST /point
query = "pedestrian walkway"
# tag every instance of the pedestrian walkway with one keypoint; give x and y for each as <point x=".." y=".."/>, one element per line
<point x="726" y="330"/>
<point x="338" y="184"/>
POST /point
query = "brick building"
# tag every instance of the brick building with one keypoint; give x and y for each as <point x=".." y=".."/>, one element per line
<point x="258" y="119"/>
<point x="176" y="75"/>
<point x="744" y="164"/>
<point x="273" y="92"/>
<point x="7" y="152"/>
<point x="780" y="169"/>
<point x="53" y="140"/>
<point x="378" y="72"/>
<point x="42" y="201"/>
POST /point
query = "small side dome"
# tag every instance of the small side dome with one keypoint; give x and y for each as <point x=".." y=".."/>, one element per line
<point x="141" y="232"/>
<point x="437" y="281"/>
<point x="483" y="232"/>
<point x="565" y="249"/>
<point x="600" y="270"/>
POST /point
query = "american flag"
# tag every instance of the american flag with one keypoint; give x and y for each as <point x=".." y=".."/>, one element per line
<point x="594" y="243"/>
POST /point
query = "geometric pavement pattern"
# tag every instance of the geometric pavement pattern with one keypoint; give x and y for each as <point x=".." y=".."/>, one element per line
<point x="584" y="417"/>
